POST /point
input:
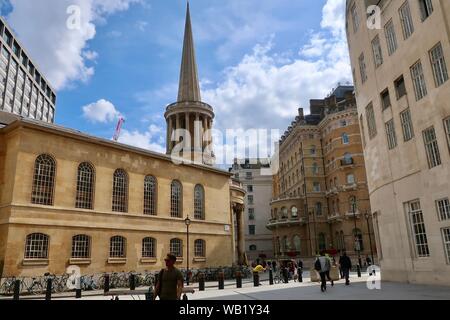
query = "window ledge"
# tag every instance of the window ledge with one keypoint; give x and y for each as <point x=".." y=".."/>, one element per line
<point x="77" y="261"/>
<point x="199" y="259"/>
<point x="179" y="260"/>
<point x="35" y="262"/>
<point x="148" y="260"/>
<point x="117" y="260"/>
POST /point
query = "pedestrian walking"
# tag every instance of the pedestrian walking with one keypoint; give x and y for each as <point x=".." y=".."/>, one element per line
<point x="346" y="266"/>
<point x="323" y="266"/>
<point x="169" y="285"/>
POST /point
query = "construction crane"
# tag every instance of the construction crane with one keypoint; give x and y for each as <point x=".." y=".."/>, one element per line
<point x="118" y="129"/>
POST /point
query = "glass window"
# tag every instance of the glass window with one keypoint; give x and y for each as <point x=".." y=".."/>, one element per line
<point x="418" y="230"/>
<point x="418" y="78"/>
<point x="447" y="130"/>
<point x="252" y="230"/>
<point x="390" y="134"/>
<point x="319" y="208"/>
<point x="345" y="139"/>
<point x="81" y="247"/>
<point x="176" y="199"/>
<point x="426" y="8"/>
<point x="362" y="68"/>
<point x="316" y="186"/>
<point x="377" y="52"/>
<point x="355" y="17"/>
<point x="85" y="186"/>
<point x="199" y="202"/>
<point x="294" y="212"/>
<point x="431" y="147"/>
<point x="36" y="246"/>
<point x="407" y="126"/>
<point x="443" y="207"/>
<point x="439" y="65"/>
<point x="400" y="87"/>
<point x="117" y="247"/>
<point x="350" y="179"/>
<point x="371" y="124"/>
<point x="446" y="238"/>
<point x="43" y="180"/>
<point x="250" y="199"/>
<point x="150" y="195"/>
<point x="120" y="191"/>
<point x="200" y="248"/>
<point x="385" y="99"/>
<point x="148" y="248"/>
<point x="391" y="38"/>
<point x="176" y="247"/>
<point x="406" y="19"/>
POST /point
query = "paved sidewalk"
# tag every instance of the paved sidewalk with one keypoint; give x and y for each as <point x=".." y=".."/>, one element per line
<point x="302" y="291"/>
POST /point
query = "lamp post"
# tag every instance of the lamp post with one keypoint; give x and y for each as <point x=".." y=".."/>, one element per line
<point x="367" y="215"/>
<point x="187" y="221"/>
<point x="357" y="243"/>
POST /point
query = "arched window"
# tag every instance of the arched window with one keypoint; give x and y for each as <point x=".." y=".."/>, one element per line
<point x="322" y="242"/>
<point x="319" y="208"/>
<point x="252" y="248"/>
<point x="117" y="247"/>
<point x="297" y="244"/>
<point x="120" y="191"/>
<point x="176" y="247"/>
<point x="200" y="248"/>
<point x="286" y="244"/>
<point x="81" y="247"/>
<point x="350" y="178"/>
<point x="85" y="186"/>
<point x="36" y="246"/>
<point x="348" y="158"/>
<point x="359" y="244"/>
<point x="352" y="204"/>
<point x="284" y="213"/>
<point x="199" y="202"/>
<point x="345" y="138"/>
<point x="294" y="212"/>
<point x="150" y="185"/>
<point x="43" y="180"/>
<point x="149" y="248"/>
<point x="176" y="199"/>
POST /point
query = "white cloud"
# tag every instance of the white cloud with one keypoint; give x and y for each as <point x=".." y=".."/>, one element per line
<point x="90" y="55"/>
<point x="144" y="140"/>
<point x="58" y="50"/>
<point x="266" y="89"/>
<point x="141" y="25"/>
<point x="101" y="111"/>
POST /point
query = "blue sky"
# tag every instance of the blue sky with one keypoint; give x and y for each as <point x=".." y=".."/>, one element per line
<point x="259" y="60"/>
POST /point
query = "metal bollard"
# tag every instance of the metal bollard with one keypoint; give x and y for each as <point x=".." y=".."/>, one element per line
<point x="17" y="284"/>
<point x="185" y="297"/>
<point x="106" y="288"/>
<point x="238" y="279"/>
<point x="149" y="294"/>
<point x="300" y="274"/>
<point x="201" y="282"/>
<point x="132" y="282"/>
<point x="358" y="269"/>
<point x="271" y="277"/>
<point x="48" y="292"/>
<point x="221" y="281"/>
<point x="256" y="279"/>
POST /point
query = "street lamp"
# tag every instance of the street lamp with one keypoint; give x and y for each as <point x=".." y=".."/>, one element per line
<point x="367" y="215"/>
<point x="357" y="243"/>
<point x="187" y="221"/>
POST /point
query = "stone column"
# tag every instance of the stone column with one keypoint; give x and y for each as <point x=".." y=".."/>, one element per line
<point x="177" y="121"/>
<point x="167" y="136"/>
<point x="187" y="138"/>
<point x="169" y="140"/>
<point x="241" y="232"/>
<point x="197" y="133"/>
<point x="205" y="128"/>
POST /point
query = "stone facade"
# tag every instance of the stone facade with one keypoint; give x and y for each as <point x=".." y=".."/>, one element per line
<point x="257" y="208"/>
<point x="402" y="91"/>
<point x="321" y="169"/>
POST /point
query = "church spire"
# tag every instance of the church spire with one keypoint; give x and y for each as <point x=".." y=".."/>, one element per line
<point x="189" y="88"/>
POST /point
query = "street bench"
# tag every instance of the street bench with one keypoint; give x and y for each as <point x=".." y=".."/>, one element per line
<point x="116" y="293"/>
